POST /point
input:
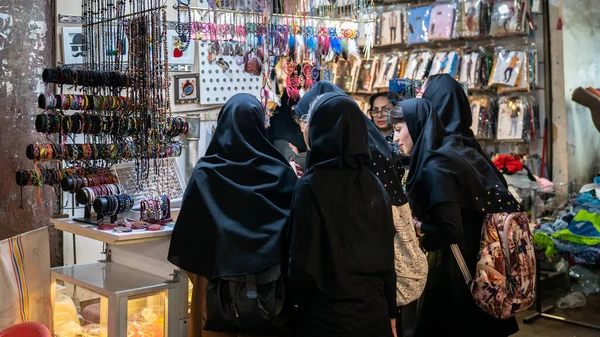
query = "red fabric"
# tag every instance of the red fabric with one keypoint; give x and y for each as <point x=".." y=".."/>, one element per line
<point x="29" y="329"/>
<point x="508" y="164"/>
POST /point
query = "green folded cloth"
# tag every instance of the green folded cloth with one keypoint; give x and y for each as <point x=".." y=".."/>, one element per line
<point x="544" y="241"/>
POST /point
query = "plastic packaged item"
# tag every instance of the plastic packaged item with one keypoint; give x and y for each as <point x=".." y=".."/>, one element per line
<point x="517" y="118"/>
<point x="507" y="67"/>
<point x="484" y="110"/>
<point x="366" y="74"/>
<point x="508" y="17"/>
<point x="418" y="64"/>
<point x="470" y="63"/>
<point x="527" y="75"/>
<point x="468" y="19"/>
<point x="573" y="300"/>
<point x="391" y="26"/>
<point x="445" y="62"/>
<point x="441" y="21"/>
<point x="388" y="69"/>
<point x="417" y="24"/>
<point x="587" y="281"/>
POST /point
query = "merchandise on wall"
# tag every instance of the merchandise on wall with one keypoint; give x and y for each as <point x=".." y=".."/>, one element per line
<point x="445" y="62"/>
<point x="417" y="24"/>
<point x="484" y="109"/>
<point x="441" y="21"/>
<point x="418" y="64"/>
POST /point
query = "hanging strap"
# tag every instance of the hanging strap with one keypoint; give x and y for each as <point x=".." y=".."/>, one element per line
<point x="461" y="263"/>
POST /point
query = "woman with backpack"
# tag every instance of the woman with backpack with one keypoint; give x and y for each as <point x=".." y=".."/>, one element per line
<point x="231" y="232"/>
<point x="451" y="187"/>
<point x="341" y="273"/>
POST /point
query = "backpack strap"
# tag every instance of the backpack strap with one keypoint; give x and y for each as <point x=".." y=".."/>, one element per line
<point x="461" y="262"/>
<point x="251" y="286"/>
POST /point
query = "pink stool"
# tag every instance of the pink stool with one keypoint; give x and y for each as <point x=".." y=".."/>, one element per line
<point x="29" y="329"/>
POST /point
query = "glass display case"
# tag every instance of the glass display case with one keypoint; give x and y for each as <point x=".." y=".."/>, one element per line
<point x="111" y="300"/>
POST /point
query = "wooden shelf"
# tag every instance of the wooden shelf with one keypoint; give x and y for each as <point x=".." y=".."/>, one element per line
<point x="111" y="237"/>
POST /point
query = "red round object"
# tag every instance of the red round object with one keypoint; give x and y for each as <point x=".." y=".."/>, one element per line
<point x="154" y="227"/>
<point x="106" y="226"/>
<point x="139" y="225"/>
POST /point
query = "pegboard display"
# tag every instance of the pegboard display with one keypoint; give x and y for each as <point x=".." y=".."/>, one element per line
<point x="170" y="182"/>
<point x="217" y="86"/>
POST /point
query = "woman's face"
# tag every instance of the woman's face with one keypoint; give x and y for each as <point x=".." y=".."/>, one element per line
<point x="305" y="134"/>
<point x="380" y="112"/>
<point x="403" y="138"/>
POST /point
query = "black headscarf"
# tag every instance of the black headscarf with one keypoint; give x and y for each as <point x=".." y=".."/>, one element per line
<point x="383" y="163"/>
<point x="237" y="202"/>
<point x="322" y="87"/>
<point x="444" y="169"/>
<point x="353" y="237"/>
<point x="284" y="127"/>
<point x="451" y="104"/>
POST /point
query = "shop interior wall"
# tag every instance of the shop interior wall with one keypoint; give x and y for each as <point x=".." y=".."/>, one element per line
<point x="90" y="250"/>
<point x="26" y="48"/>
<point x="581" y="45"/>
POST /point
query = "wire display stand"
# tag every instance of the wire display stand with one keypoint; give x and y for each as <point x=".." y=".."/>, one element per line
<point x="554" y="204"/>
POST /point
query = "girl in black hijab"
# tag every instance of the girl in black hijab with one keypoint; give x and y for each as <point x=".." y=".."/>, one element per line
<point x="450" y="188"/>
<point x="341" y="255"/>
<point x="450" y="102"/>
<point x="285" y="134"/>
<point x="215" y="236"/>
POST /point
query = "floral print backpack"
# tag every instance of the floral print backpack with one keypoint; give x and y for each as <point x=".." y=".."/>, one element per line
<point x="504" y="280"/>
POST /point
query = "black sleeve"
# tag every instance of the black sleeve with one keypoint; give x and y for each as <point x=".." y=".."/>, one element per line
<point x="389" y="287"/>
<point x="300" y="284"/>
<point x="389" y="276"/>
<point x="445" y="228"/>
<point x="303" y="215"/>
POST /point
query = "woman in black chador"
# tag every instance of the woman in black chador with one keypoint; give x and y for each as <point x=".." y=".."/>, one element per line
<point x="236" y="206"/>
<point x="449" y="101"/>
<point x="341" y="272"/>
<point x="451" y="186"/>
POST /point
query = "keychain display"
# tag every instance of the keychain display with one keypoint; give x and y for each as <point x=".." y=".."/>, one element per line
<point x="508" y="17"/>
<point x="417" y="66"/>
<point x="417" y="24"/>
<point x="441" y="21"/>
<point x="445" y="62"/>
<point x="485" y="115"/>
<point x="388" y="69"/>
<point x="507" y="67"/>
<point x="470" y="20"/>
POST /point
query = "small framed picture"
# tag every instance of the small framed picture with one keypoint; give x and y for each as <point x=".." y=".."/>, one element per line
<point x="186" y="89"/>
<point x="177" y="54"/>
<point x="74" y="48"/>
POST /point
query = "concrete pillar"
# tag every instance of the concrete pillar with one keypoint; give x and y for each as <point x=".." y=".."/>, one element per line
<point x="26" y="48"/>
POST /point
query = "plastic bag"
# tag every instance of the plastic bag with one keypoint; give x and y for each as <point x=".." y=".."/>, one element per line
<point x="441" y="21"/>
<point x="587" y="281"/>
<point x="417" y="24"/>
<point x="575" y="299"/>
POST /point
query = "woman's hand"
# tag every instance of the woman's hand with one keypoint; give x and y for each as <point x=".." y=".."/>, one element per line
<point x="393" y="323"/>
<point x="299" y="171"/>
<point x="294" y="148"/>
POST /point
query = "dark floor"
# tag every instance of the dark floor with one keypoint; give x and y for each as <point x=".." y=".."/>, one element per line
<point x="552" y="290"/>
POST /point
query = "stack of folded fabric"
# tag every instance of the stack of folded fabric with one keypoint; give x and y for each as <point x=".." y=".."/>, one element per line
<point x="575" y="234"/>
